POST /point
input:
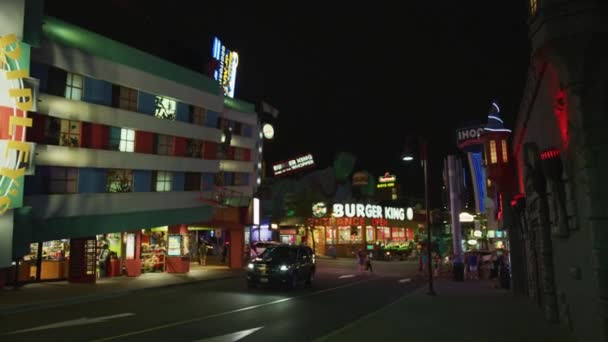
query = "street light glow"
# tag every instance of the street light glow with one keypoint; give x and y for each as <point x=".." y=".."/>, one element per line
<point x="408" y="158"/>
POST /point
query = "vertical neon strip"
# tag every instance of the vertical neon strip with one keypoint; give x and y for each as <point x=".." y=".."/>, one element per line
<point x="256" y="211"/>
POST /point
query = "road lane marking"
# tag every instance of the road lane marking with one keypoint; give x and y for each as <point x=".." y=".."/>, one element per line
<point x="405" y="280"/>
<point x="346" y="276"/>
<point x="366" y="317"/>
<point x="74" y="322"/>
<point x="226" y="313"/>
<point x="232" y="337"/>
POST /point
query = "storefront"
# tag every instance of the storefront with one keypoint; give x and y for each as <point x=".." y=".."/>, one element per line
<point x="353" y="226"/>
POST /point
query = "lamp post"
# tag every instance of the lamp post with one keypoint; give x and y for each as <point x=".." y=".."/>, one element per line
<point x="407" y="156"/>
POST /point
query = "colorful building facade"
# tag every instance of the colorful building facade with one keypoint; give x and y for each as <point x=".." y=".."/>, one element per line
<point x="130" y="149"/>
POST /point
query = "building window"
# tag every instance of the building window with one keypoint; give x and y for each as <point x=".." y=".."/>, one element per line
<point x="241" y="179"/>
<point x="164" y="145"/>
<point x="164" y="179"/>
<point x="493" y="157"/>
<point x="533" y="7"/>
<point x="505" y="157"/>
<point x="164" y="108"/>
<point x="63" y="180"/>
<point x="192" y="181"/>
<point x="52" y="131"/>
<point x="127" y="140"/>
<point x="70" y="133"/>
<point x="120" y="180"/>
<point x="239" y="154"/>
<point x="128" y="99"/>
<point x="197" y="115"/>
<point x="73" y="87"/>
<point x="194" y="148"/>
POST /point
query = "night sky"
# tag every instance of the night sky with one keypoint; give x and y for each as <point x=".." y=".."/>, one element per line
<point x="359" y="78"/>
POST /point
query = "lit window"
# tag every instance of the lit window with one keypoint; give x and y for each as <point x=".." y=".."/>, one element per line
<point x="73" y="87"/>
<point x="533" y="7"/>
<point x="119" y="180"/>
<point x="164" y="145"/>
<point x="127" y="140"/>
<point x="128" y="99"/>
<point x="505" y="157"/>
<point x="493" y="157"/>
<point x="164" y="180"/>
<point x="394" y="197"/>
<point x="164" y="108"/>
<point x="63" y="180"/>
<point x="198" y="115"/>
<point x="70" y="133"/>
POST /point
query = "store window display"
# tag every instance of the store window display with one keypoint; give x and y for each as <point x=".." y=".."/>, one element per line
<point x="54" y="256"/>
<point x="153" y="250"/>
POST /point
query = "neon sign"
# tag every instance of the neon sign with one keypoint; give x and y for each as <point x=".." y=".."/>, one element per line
<point x="15" y="152"/>
<point x="293" y="165"/>
<point x="387" y="178"/>
<point x="549" y="154"/>
<point x="227" y="63"/>
<point x="368" y="211"/>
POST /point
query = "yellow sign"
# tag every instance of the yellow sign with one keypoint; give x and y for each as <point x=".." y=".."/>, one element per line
<point x="385" y="185"/>
<point x="14" y="151"/>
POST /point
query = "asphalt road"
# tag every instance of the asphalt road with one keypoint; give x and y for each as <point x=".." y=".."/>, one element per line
<point x="223" y="310"/>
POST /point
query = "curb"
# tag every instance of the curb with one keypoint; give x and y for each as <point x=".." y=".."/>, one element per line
<point x="92" y="298"/>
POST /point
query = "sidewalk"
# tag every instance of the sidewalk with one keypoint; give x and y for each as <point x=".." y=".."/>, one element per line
<point x="468" y="311"/>
<point x="51" y="294"/>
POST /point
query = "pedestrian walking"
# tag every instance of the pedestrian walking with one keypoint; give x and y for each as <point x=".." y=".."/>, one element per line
<point x="368" y="264"/>
<point x="202" y="253"/>
<point x="361" y="260"/>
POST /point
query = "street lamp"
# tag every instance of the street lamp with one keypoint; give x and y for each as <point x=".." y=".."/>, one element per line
<point x="409" y="156"/>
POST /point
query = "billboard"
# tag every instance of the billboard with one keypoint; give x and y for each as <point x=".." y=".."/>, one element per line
<point x="16" y="99"/>
<point x="224" y="67"/>
<point x="293" y="165"/>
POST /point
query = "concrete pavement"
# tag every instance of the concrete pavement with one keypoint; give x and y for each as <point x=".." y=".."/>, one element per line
<point x="466" y="311"/>
<point x="52" y="294"/>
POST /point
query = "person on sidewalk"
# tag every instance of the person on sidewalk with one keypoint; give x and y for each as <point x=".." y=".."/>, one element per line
<point x="202" y="253"/>
<point x="104" y="256"/>
<point x="361" y="260"/>
<point x="368" y="264"/>
<point x="472" y="263"/>
<point x="494" y="270"/>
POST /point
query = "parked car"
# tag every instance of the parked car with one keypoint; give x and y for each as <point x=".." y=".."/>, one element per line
<point x="260" y="246"/>
<point x="282" y="265"/>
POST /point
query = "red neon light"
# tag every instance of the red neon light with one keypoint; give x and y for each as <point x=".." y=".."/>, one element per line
<point x="549" y="154"/>
<point x="516" y="198"/>
<point x="499" y="206"/>
<point x="561" y="115"/>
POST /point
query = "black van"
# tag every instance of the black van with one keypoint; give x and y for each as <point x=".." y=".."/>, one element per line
<point x="282" y="265"/>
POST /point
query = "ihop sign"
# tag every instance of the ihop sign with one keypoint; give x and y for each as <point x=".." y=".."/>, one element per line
<point x="469" y="137"/>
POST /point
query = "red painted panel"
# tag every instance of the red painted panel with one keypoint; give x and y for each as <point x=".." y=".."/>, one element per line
<point x="230" y="153"/>
<point x="178" y="264"/>
<point x="100" y="136"/>
<point x="237" y="242"/>
<point x="179" y="146"/>
<point x="5" y="114"/>
<point x="209" y="150"/>
<point x="247" y="154"/>
<point x="144" y="142"/>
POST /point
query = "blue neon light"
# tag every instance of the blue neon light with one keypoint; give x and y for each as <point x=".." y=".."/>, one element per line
<point x="477" y="162"/>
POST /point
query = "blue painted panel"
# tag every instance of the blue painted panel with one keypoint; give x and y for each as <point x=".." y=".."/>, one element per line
<point x="37" y="183"/>
<point x="182" y="112"/>
<point x="145" y="103"/>
<point x="246" y="178"/>
<point x="91" y="180"/>
<point x="41" y="72"/>
<point x="247" y="131"/>
<point x="142" y="181"/>
<point x="211" y="119"/>
<point x="208" y="181"/>
<point x="178" y="181"/>
<point x="97" y="91"/>
<point x="228" y="178"/>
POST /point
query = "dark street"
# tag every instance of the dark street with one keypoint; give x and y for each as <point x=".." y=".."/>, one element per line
<point x="200" y="311"/>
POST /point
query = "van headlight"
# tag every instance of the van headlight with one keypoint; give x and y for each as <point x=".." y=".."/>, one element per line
<point x="250" y="266"/>
<point x="283" y="268"/>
